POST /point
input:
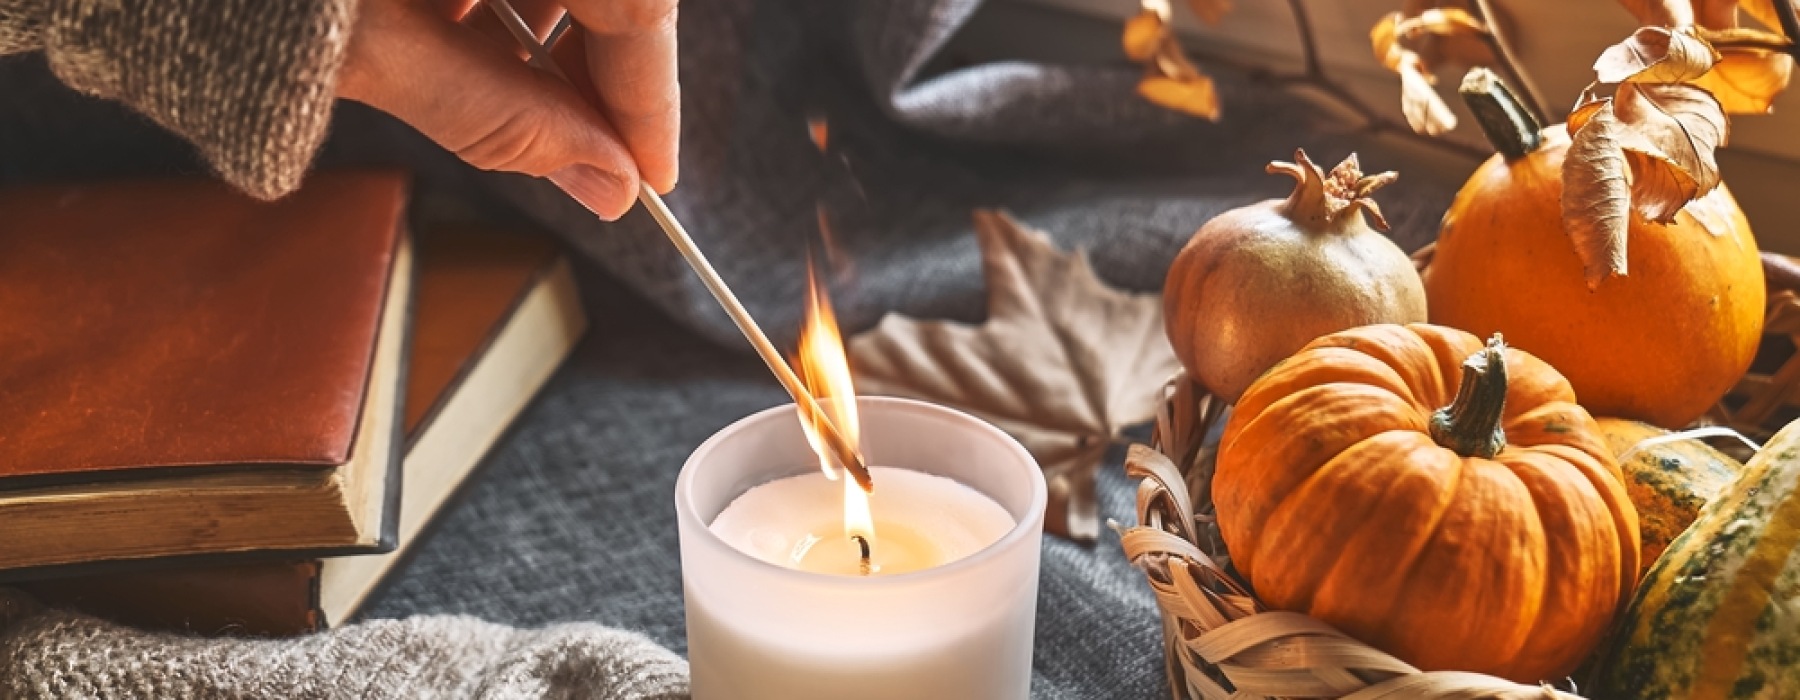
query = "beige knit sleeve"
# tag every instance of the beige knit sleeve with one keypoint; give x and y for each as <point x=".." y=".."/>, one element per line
<point x="250" y="83"/>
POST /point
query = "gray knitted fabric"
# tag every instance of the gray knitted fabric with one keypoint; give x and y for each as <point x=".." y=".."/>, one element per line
<point x="571" y="519"/>
<point x="62" y="655"/>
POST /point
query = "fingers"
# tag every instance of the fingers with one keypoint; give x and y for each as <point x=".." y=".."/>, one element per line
<point x="467" y="94"/>
<point x="631" y="59"/>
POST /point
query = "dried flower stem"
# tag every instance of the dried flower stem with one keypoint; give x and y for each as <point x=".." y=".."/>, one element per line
<point x="1509" y="64"/>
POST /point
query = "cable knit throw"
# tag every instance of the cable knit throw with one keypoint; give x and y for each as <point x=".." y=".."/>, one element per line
<point x="50" y="654"/>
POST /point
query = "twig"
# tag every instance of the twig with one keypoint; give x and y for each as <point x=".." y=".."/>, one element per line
<point x="1374" y="121"/>
<point x="1782" y="46"/>
<point x="1308" y="45"/>
<point x="1509" y="64"/>
<point x="1790" y="25"/>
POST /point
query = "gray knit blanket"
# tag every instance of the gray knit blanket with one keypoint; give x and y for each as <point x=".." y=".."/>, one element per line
<point x="568" y="526"/>
<point x="52" y="654"/>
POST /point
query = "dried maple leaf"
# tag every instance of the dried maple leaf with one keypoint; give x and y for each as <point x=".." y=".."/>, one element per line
<point x="1416" y="42"/>
<point x="1596" y="196"/>
<point x="1170" y="79"/>
<point x="1062" y="363"/>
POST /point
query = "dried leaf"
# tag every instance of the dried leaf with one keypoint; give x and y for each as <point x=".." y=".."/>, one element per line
<point x="1677" y="128"/>
<point x="1665" y="13"/>
<point x="1446" y="21"/>
<point x="1658" y="188"/>
<point x="1596" y="198"/>
<point x="1585" y="109"/>
<point x="1715" y="14"/>
<point x="1656" y="55"/>
<point x="1410" y="46"/>
<point x="1175" y="65"/>
<point x="1713" y="211"/>
<point x="1384" y="37"/>
<point x="1196" y="96"/>
<point x="1062" y="363"/>
<point x="1747" y="78"/>
<point x="1763" y="11"/>
<point x="1210" y="11"/>
<point x="1144" y="33"/>
<point x="1424" y="109"/>
<point x="1170" y="80"/>
<point x="1446" y="36"/>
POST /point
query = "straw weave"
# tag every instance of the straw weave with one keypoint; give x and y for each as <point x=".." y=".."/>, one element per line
<point x="1219" y="642"/>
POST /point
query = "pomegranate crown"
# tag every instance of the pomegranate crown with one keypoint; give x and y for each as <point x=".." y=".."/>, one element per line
<point x="1326" y="198"/>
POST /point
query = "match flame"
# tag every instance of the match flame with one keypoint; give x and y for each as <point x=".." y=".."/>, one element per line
<point x="819" y="131"/>
<point x="825" y="370"/>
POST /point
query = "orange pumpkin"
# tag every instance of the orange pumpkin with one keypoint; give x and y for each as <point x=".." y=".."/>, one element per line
<point x="1446" y="502"/>
<point x="1661" y="344"/>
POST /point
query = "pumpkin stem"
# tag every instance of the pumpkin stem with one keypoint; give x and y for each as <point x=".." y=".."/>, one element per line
<point x="1508" y="125"/>
<point x="1470" y="425"/>
<point x="1321" y="201"/>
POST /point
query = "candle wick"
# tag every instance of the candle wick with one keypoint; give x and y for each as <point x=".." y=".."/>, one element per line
<point x="863" y="542"/>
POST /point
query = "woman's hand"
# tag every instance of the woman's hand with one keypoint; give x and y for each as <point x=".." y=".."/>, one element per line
<point x="447" y="68"/>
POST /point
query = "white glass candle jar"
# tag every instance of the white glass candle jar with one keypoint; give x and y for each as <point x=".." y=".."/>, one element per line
<point x="963" y="630"/>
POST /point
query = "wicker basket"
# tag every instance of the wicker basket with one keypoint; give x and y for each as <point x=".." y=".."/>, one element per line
<point x="1218" y="640"/>
<point x="1768" y="397"/>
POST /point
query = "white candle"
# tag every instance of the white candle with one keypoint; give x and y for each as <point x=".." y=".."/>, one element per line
<point x="921" y="521"/>
<point x="949" y="611"/>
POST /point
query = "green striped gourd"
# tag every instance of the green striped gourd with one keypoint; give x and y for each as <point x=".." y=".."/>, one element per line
<point x="1669" y="483"/>
<point x="1718" y="615"/>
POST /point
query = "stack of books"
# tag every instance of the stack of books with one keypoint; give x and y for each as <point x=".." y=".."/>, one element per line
<point x="219" y="415"/>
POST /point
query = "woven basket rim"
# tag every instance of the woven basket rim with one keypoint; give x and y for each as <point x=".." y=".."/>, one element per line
<point x="1219" y="641"/>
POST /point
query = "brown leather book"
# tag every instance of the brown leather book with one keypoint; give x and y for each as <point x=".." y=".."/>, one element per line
<point x="188" y="371"/>
<point x="494" y="315"/>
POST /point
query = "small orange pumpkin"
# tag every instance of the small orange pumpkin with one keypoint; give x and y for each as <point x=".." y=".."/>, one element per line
<point x="1461" y="514"/>
<point x="1661" y="344"/>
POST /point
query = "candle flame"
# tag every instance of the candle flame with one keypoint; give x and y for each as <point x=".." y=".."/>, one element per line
<point x="825" y="370"/>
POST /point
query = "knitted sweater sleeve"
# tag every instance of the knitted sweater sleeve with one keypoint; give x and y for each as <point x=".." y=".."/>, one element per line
<point x="250" y="83"/>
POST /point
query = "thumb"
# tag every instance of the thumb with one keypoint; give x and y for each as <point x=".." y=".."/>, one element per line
<point x="473" y="98"/>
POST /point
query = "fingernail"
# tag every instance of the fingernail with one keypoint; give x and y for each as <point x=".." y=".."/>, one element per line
<point x="600" y="191"/>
